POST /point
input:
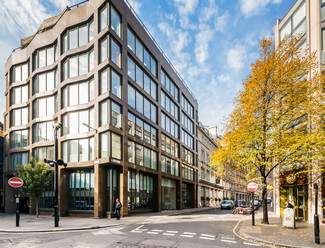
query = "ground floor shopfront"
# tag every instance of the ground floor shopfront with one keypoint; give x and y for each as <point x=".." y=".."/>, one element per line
<point x="92" y="191"/>
<point x="298" y="189"/>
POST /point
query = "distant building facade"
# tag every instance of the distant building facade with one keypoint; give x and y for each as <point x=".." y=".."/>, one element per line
<point x="129" y="122"/>
<point x="1" y="167"/>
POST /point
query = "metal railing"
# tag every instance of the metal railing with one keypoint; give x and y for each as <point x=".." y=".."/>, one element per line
<point x="159" y="48"/>
<point x="78" y="4"/>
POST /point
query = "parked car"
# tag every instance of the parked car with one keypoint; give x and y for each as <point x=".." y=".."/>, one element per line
<point x="241" y="203"/>
<point x="256" y="203"/>
<point x="227" y="204"/>
<point x="269" y="200"/>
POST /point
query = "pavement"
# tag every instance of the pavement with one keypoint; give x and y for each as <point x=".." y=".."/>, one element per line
<point x="274" y="235"/>
<point x="271" y="235"/>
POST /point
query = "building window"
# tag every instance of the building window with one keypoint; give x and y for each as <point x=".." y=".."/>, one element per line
<point x="110" y="145"/>
<point x="78" y="36"/>
<point x="44" y="107"/>
<point x="187" y="106"/>
<point x="19" y="94"/>
<point x="78" y="150"/>
<point x="19" y="73"/>
<point x="78" y="65"/>
<point x="188" y="156"/>
<point x="169" y="145"/>
<point x="142" y="156"/>
<point x="188" y="140"/>
<point x="81" y="190"/>
<point x="112" y="17"/>
<point x="73" y="123"/>
<point x="187" y="172"/>
<point x="112" y="188"/>
<point x="19" y="117"/>
<point x="141" y="52"/>
<point x="140" y="191"/>
<point x="45" y="81"/>
<point x="114" y="53"/>
<point x="43" y="131"/>
<point x="110" y="81"/>
<point x="169" y="105"/>
<point x="141" y="104"/>
<point x="45" y="57"/>
<point x="142" y="130"/>
<point x="110" y="112"/>
<point x="169" y="166"/>
<point x="18" y="158"/>
<point x="142" y="79"/>
<point x="40" y="153"/>
<point x="79" y="93"/>
<point x="46" y="200"/>
<point x="169" y="85"/>
<point x="169" y="125"/>
<point x="19" y="138"/>
<point x="187" y="123"/>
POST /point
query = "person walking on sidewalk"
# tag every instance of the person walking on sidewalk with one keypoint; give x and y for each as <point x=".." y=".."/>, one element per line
<point x="118" y="207"/>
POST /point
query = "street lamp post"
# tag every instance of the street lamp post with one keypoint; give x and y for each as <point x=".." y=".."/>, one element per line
<point x="316" y="219"/>
<point x="56" y="127"/>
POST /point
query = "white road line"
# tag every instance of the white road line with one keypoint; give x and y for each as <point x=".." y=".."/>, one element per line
<point x="168" y="234"/>
<point x="187" y="236"/>
<point x="206" y="238"/>
<point x="139" y="227"/>
<point x="245" y="243"/>
<point x="136" y="231"/>
<point x="229" y="241"/>
<point x="152" y="232"/>
<point x="207" y="235"/>
<point x="189" y="233"/>
<point x="155" y="230"/>
<point x="172" y="231"/>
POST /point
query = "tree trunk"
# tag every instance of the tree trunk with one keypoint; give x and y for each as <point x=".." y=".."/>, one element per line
<point x="36" y="202"/>
<point x="264" y="203"/>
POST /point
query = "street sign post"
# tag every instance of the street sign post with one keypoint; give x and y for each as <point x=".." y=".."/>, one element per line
<point x="16" y="182"/>
<point x="252" y="187"/>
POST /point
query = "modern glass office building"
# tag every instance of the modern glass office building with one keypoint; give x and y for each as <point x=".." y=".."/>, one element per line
<point x="129" y="122"/>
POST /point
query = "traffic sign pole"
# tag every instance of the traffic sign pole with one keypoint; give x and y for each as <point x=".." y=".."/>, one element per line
<point x="17" y="208"/>
<point x="252" y="187"/>
<point x="253" y="212"/>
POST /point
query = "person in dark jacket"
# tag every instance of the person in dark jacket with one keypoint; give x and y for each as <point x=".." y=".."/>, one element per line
<point x="118" y="207"/>
<point x="288" y="205"/>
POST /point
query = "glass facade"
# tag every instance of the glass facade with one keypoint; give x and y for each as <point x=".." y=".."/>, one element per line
<point x="78" y="150"/>
<point x="78" y="122"/>
<point x="169" y="145"/>
<point x="45" y="57"/>
<point x="81" y="190"/>
<point x="140" y="191"/>
<point x="168" y="194"/>
<point x="110" y="81"/>
<point x="78" y="93"/>
<point x="188" y="195"/>
<point x="143" y="156"/>
<point x="110" y="145"/>
<point x="45" y="81"/>
<point x="19" y="94"/>
<point x="169" y="166"/>
<point x="19" y="138"/>
<point x="19" y="72"/>
<point x="112" y="188"/>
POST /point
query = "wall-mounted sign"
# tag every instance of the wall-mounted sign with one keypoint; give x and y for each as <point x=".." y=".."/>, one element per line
<point x="291" y="178"/>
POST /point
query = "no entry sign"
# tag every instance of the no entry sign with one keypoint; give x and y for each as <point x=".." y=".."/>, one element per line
<point x="252" y="187"/>
<point x="15" y="182"/>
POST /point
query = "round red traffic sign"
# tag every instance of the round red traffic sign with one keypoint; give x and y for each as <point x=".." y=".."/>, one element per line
<point x="252" y="187"/>
<point x="15" y="182"/>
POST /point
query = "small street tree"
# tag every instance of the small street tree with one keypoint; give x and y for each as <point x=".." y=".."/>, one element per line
<point x="275" y="125"/>
<point x="36" y="179"/>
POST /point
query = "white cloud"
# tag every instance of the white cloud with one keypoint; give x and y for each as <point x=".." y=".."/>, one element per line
<point x="136" y="5"/>
<point x="61" y="4"/>
<point x="254" y="7"/>
<point x="186" y="7"/>
<point x="224" y="78"/>
<point x="236" y="57"/>
<point x="202" y="40"/>
<point x="208" y="12"/>
<point x="221" y="22"/>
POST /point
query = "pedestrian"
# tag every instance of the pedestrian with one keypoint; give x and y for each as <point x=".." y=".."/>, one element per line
<point x="118" y="207"/>
<point x="288" y="205"/>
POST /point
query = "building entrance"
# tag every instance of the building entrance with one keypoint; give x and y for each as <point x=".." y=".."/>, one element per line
<point x="298" y="197"/>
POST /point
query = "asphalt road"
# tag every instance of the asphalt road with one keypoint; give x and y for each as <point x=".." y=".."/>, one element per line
<point x="212" y="228"/>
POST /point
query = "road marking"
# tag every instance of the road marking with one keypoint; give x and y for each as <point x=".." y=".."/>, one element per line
<point x="155" y="230"/>
<point x="245" y="243"/>
<point x="172" y="231"/>
<point x="168" y="234"/>
<point x="206" y="238"/>
<point x="136" y="231"/>
<point x="187" y="236"/>
<point x="152" y="232"/>
<point x="207" y="235"/>
<point x="229" y="241"/>
<point x="189" y="233"/>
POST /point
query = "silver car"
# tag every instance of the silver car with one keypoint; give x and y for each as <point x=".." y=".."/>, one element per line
<point x="227" y="204"/>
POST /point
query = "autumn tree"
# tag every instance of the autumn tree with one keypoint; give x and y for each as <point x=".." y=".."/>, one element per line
<point x="275" y="124"/>
<point x="36" y="179"/>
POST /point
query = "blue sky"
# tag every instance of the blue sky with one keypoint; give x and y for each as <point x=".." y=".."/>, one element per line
<point x="210" y="42"/>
